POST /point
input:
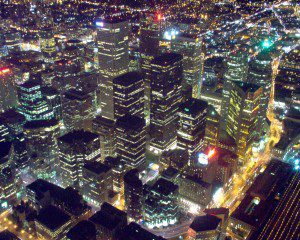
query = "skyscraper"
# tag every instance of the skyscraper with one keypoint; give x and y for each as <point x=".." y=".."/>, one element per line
<point x="112" y="41"/>
<point x="33" y="104"/>
<point x="192" y="122"/>
<point x="236" y="70"/>
<point x="260" y="73"/>
<point x="241" y="120"/>
<point x="131" y="140"/>
<point x="78" y="109"/>
<point x="133" y="193"/>
<point x="166" y="96"/>
<point x="75" y="148"/>
<point x="129" y="95"/>
<point x="41" y="139"/>
<point x="190" y="47"/>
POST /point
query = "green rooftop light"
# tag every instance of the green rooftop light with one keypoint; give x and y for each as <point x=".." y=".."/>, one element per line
<point x="186" y="109"/>
<point x="266" y="43"/>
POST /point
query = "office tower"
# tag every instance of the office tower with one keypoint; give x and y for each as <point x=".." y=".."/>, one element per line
<point x="241" y="120"/>
<point x="8" y="88"/>
<point x="161" y="207"/>
<point x="3" y="47"/>
<point x="133" y="195"/>
<point x="165" y="95"/>
<point x="129" y="95"/>
<point x="118" y="171"/>
<point x="109" y="221"/>
<point x="75" y="148"/>
<point x="32" y="104"/>
<point x="131" y="140"/>
<point x="112" y="41"/>
<point x="53" y="99"/>
<point x="212" y="127"/>
<point x="66" y="71"/>
<point x="78" y="109"/>
<point x="150" y="35"/>
<point x="192" y="123"/>
<point x="190" y="47"/>
<point x="8" y="180"/>
<point x="52" y="223"/>
<point x="97" y="182"/>
<point x="205" y="227"/>
<point x="41" y="140"/>
<point x="260" y="73"/>
<point x="47" y="44"/>
<point x="236" y="70"/>
<point x="106" y="130"/>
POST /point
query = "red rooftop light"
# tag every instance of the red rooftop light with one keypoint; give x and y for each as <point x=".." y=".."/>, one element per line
<point x="4" y="71"/>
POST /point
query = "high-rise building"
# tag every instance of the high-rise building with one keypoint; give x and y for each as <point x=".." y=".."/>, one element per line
<point x="13" y="41"/>
<point x="192" y="122"/>
<point x="236" y="70"/>
<point x="161" y="207"/>
<point x="75" y="148"/>
<point x="8" y="180"/>
<point x="260" y="73"/>
<point x="131" y="140"/>
<point x="113" y="57"/>
<point x="241" y="120"/>
<point x="78" y="109"/>
<point x="33" y="104"/>
<point x="106" y="129"/>
<point x="47" y="44"/>
<point x="97" y="182"/>
<point x="166" y="78"/>
<point x="133" y="195"/>
<point x="54" y="101"/>
<point x="129" y="95"/>
<point x="8" y="89"/>
<point x="190" y="47"/>
<point x="41" y="139"/>
<point x="212" y="126"/>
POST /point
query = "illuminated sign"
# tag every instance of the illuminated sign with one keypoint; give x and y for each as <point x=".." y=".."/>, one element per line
<point x="4" y="71"/>
<point x="170" y="34"/>
<point x="99" y="24"/>
<point x="203" y="158"/>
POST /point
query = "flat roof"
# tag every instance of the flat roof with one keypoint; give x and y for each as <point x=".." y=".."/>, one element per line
<point x="52" y="217"/>
<point x="167" y="59"/>
<point x="128" y="78"/>
<point x="78" y="136"/>
<point x="193" y="106"/>
<point x="164" y="187"/>
<point x="205" y="223"/>
<point x="96" y="167"/>
<point x="130" y="122"/>
<point x="41" y="124"/>
<point x="84" y="230"/>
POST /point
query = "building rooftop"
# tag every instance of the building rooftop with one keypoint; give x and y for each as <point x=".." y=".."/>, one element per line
<point x="132" y="178"/>
<point x="130" y="122"/>
<point x="96" y="167"/>
<point x="135" y="232"/>
<point x="109" y="217"/>
<point x="29" y="84"/>
<point x="197" y="180"/>
<point x="84" y="230"/>
<point x="128" y="78"/>
<point x="78" y="136"/>
<point x="217" y="211"/>
<point x="5" y="148"/>
<point x="52" y="217"/>
<point x="193" y="106"/>
<point x="74" y="94"/>
<point x="41" y="124"/>
<point x="12" y="116"/>
<point x="7" y="235"/>
<point x="167" y="59"/>
<point x="205" y="223"/>
<point x="164" y="187"/>
<point x="247" y="87"/>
